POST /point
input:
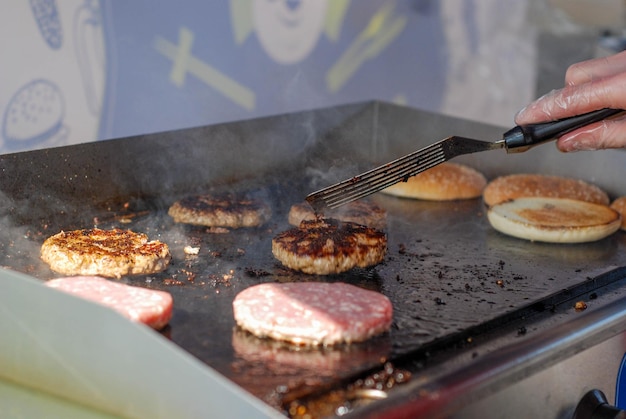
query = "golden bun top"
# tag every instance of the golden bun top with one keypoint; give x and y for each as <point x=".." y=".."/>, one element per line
<point x="506" y="188"/>
<point x="444" y="182"/>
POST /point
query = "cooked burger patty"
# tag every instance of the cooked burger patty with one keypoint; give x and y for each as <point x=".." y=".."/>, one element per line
<point x="312" y="313"/>
<point x="150" y="307"/>
<point x="361" y="212"/>
<point x="329" y="246"/>
<point x="220" y="211"/>
<point x="109" y="253"/>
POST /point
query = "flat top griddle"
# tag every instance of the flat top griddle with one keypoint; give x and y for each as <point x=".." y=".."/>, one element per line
<point x="449" y="275"/>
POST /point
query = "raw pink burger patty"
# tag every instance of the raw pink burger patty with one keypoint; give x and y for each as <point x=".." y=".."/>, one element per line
<point x="151" y="307"/>
<point x="312" y="313"/>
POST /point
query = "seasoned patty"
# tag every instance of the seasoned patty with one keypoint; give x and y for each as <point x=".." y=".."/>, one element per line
<point x="220" y="211"/>
<point x="361" y="212"/>
<point x="150" y="307"/>
<point x="312" y="313"/>
<point x="109" y="253"/>
<point x="327" y="246"/>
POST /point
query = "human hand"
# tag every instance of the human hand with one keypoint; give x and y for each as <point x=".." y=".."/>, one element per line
<point x="589" y="85"/>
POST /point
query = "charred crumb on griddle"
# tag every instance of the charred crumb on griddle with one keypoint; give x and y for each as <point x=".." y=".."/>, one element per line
<point x="522" y="331"/>
<point x="225" y="279"/>
<point x="256" y="273"/>
<point x="580" y="306"/>
<point x="191" y="276"/>
<point x="191" y="251"/>
<point x="172" y="281"/>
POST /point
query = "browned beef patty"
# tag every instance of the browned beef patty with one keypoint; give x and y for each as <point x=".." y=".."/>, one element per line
<point x="220" y="211"/>
<point x="361" y="212"/>
<point x="109" y="253"/>
<point x="329" y="246"/>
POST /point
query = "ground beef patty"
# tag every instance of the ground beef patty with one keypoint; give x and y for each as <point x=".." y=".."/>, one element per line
<point x="361" y="212"/>
<point x="220" y="211"/>
<point x="150" y="307"/>
<point x="109" y="253"/>
<point x="312" y="313"/>
<point x="328" y="246"/>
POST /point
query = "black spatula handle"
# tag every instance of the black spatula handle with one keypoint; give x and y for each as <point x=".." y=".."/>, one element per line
<point x="521" y="138"/>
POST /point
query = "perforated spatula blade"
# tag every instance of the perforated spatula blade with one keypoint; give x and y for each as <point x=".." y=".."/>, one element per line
<point x="396" y="171"/>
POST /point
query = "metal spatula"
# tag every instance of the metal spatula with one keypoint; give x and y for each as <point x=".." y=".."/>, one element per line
<point x="518" y="139"/>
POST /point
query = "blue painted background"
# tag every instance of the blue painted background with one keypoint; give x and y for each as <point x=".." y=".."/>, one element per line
<point x="98" y="69"/>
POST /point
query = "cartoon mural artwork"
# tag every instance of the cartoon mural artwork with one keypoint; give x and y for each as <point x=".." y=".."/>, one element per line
<point x="42" y="102"/>
<point x="289" y="30"/>
<point x="184" y="62"/>
<point x="85" y="70"/>
<point x="46" y="15"/>
<point x="34" y="116"/>
<point x="381" y="30"/>
<point x="90" y="53"/>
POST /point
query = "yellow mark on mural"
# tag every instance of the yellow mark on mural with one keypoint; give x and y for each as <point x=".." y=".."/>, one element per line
<point x="381" y="30"/>
<point x="241" y="19"/>
<point x="184" y="62"/>
<point x="334" y="18"/>
<point x="181" y="61"/>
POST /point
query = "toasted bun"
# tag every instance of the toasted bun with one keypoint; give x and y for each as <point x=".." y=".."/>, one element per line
<point x="554" y="220"/>
<point x="619" y="205"/>
<point x="444" y="182"/>
<point x="506" y="188"/>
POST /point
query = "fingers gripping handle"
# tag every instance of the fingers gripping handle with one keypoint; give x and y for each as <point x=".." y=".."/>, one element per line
<point x="522" y="138"/>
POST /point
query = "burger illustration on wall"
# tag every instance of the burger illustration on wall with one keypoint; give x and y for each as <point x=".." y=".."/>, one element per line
<point x="34" y="115"/>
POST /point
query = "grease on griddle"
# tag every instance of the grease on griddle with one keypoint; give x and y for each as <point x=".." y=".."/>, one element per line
<point x="358" y="393"/>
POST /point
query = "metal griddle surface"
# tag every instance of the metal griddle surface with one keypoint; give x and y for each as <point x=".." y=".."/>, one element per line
<point x="447" y="271"/>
